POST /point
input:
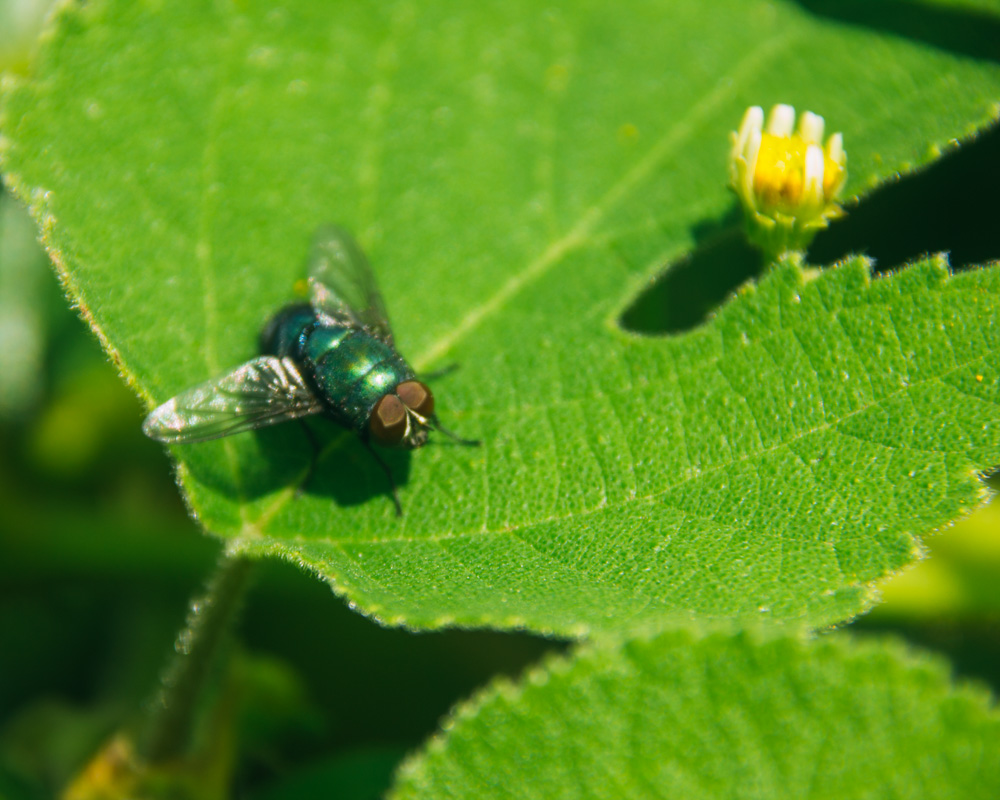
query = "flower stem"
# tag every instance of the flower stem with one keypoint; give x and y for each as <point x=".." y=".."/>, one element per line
<point x="172" y="716"/>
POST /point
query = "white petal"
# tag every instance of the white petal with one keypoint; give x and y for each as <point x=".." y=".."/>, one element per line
<point x="781" y="120"/>
<point x="753" y="120"/>
<point x="835" y="149"/>
<point x="811" y="128"/>
<point x="812" y="181"/>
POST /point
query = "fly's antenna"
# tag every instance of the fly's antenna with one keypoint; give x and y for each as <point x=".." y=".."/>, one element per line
<point x="433" y="420"/>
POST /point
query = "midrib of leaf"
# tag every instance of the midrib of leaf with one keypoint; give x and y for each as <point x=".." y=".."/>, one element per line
<point x="579" y="234"/>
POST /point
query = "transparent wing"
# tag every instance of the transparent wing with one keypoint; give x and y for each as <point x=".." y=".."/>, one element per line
<point x="341" y="283"/>
<point x="261" y="392"/>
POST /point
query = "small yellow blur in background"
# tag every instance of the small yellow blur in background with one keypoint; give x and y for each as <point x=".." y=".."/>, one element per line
<point x="959" y="577"/>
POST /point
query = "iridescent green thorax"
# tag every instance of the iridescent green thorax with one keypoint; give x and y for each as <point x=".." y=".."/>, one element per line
<point x="355" y="371"/>
<point x="350" y="369"/>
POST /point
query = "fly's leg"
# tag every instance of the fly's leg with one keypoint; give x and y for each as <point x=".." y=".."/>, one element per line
<point x="439" y="373"/>
<point x="315" y="457"/>
<point x="388" y="474"/>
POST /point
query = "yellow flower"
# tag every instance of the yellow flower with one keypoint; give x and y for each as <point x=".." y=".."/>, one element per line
<point x="787" y="182"/>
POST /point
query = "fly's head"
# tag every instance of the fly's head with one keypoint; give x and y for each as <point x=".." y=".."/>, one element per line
<point x="403" y="418"/>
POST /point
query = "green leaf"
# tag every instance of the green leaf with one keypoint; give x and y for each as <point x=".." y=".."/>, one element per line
<point x="516" y="176"/>
<point x="678" y="716"/>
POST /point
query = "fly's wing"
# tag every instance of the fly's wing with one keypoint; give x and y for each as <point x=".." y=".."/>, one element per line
<point x="261" y="392"/>
<point x="341" y="283"/>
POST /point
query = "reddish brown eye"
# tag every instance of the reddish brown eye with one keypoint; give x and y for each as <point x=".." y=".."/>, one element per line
<point x="417" y="397"/>
<point x="388" y="421"/>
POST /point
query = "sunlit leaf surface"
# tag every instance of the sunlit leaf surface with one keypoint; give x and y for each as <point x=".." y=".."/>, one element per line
<point x="517" y="174"/>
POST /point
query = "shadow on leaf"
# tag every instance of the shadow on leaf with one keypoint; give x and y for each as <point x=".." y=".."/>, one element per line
<point x="684" y="296"/>
<point x="964" y="32"/>
<point x="273" y="459"/>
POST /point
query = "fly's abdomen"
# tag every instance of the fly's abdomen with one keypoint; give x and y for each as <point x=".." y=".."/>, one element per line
<point x="282" y="335"/>
<point x="353" y="370"/>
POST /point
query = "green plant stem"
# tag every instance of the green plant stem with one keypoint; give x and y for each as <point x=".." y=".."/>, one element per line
<point x="210" y="616"/>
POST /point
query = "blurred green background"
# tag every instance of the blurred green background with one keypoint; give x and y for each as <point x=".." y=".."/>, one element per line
<point x="98" y="558"/>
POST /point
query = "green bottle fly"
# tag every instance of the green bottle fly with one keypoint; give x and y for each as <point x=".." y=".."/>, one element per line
<point x="333" y="356"/>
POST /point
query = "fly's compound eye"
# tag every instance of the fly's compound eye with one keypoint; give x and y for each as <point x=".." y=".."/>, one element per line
<point x="388" y="421"/>
<point x="417" y="397"/>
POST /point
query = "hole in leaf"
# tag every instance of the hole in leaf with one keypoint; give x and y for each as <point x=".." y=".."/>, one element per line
<point x="952" y="206"/>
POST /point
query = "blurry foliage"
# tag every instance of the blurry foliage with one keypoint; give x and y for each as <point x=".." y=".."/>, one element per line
<point x="20" y="22"/>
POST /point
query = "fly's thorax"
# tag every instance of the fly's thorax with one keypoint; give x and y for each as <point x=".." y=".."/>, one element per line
<point x="353" y="370"/>
<point x="320" y="341"/>
<point x="283" y="333"/>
